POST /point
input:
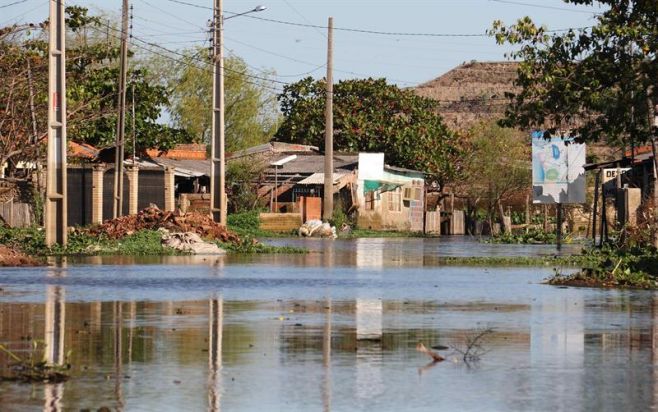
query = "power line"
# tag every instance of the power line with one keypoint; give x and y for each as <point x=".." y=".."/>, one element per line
<point x="539" y="6"/>
<point x="317" y="26"/>
<point x="188" y="57"/>
<point x="376" y="32"/>
<point x="13" y="4"/>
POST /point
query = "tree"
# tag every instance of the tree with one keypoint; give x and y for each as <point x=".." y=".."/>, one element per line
<point x="372" y="115"/>
<point x="497" y="166"/>
<point x="597" y="81"/>
<point x="250" y="107"/>
<point x="600" y="82"/>
<point x="92" y="89"/>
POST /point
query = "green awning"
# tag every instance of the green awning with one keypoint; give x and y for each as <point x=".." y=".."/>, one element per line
<point x="375" y="185"/>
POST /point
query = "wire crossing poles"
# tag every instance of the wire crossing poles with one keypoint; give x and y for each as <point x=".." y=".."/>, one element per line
<point x="328" y="209"/>
<point x="55" y="218"/>
<point x="217" y="177"/>
<point x="117" y="210"/>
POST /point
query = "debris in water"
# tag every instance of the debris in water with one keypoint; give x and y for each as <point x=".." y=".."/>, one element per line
<point x="435" y="356"/>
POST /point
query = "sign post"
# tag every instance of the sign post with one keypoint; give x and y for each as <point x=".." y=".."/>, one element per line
<point x="558" y="174"/>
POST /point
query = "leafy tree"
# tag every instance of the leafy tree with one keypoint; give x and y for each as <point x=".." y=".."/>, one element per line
<point x="597" y="81"/>
<point x="371" y="115"/>
<point x="92" y="90"/>
<point x="250" y="107"/>
<point x="496" y="167"/>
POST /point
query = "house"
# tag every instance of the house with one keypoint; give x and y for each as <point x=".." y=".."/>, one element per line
<point x="389" y="198"/>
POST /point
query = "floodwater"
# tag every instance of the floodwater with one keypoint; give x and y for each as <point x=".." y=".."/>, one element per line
<point x="335" y="330"/>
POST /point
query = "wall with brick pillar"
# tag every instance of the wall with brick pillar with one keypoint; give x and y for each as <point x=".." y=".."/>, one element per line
<point x="97" y="194"/>
<point x="132" y="173"/>
<point x="169" y="189"/>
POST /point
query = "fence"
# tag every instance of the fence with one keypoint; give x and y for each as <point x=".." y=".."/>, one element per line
<point x="16" y="214"/>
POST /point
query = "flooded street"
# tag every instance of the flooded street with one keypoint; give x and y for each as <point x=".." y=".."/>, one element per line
<point x="334" y="330"/>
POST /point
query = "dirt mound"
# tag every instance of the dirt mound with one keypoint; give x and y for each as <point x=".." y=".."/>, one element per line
<point x="12" y="257"/>
<point x="153" y="218"/>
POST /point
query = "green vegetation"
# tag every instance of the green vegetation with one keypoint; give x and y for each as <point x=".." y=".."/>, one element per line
<point x="579" y="72"/>
<point x="614" y="267"/>
<point x="251" y="109"/>
<point x="34" y="367"/>
<point x="529" y="237"/>
<point x="249" y="245"/>
<point x="571" y="260"/>
<point x="367" y="233"/>
<point x="373" y="116"/>
<point x="32" y="242"/>
<point x="142" y="243"/>
<point x="497" y="166"/>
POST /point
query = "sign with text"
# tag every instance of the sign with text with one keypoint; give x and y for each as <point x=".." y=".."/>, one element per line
<point x="610" y="180"/>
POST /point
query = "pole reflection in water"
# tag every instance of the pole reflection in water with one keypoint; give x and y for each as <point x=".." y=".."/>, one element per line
<point x="55" y="318"/>
<point x="369" y="380"/>
<point x="215" y="329"/>
<point x="117" y="314"/>
<point x="326" y="358"/>
<point x="557" y="328"/>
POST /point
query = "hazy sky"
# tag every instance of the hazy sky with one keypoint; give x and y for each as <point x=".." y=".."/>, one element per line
<point x="294" y="51"/>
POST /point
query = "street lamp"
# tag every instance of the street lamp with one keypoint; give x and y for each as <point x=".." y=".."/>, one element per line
<point x="217" y="153"/>
<point x="254" y="10"/>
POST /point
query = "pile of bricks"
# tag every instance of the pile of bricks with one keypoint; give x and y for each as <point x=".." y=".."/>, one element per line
<point x="153" y="218"/>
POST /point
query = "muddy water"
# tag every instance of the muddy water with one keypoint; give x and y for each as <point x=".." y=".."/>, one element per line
<point x="326" y="331"/>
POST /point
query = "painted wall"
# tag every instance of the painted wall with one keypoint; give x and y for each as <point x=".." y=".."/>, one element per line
<point x="387" y="209"/>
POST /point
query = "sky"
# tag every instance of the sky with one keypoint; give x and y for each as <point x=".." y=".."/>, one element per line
<point x="295" y="51"/>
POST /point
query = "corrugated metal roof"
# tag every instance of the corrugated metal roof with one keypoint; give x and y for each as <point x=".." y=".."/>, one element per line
<point x="318" y="178"/>
<point x="314" y="163"/>
<point x="188" y="168"/>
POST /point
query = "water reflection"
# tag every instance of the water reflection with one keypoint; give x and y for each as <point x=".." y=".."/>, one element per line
<point x="259" y="337"/>
<point x="573" y="353"/>
<point x="215" y="329"/>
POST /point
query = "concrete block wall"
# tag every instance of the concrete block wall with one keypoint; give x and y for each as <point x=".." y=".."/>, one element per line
<point x="169" y="189"/>
<point x="97" y="194"/>
<point x="132" y="172"/>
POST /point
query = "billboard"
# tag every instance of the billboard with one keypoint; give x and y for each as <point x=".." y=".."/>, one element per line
<point x="558" y="173"/>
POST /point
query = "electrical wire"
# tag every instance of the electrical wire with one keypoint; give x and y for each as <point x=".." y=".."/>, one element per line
<point x="540" y="6"/>
<point x="357" y="30"/>
<point x="193" y="58"/>
<point x="4" y="6"/>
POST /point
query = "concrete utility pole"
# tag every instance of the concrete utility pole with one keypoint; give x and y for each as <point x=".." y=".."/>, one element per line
<point x="117" y="209"/>
<point x="56" y="208"/>
<point x="328" y="209"/>
<point x="217" y="177"/>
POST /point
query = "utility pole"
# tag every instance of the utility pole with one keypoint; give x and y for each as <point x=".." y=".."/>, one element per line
<point x="134" y="127"/>
<point x="328" y="208"/>
<point x="217" y="177"/>
<point x="55" y="220"/>
<point x="117" y="210"/>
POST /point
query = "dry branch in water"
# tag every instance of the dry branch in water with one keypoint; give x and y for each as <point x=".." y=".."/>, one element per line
<point x="472" y="348"/>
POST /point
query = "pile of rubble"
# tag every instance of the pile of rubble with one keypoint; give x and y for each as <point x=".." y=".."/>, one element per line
<point x="12" y="257"/>
<point x="153" y="218"/>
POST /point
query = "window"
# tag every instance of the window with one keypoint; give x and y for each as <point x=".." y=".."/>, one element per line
<point x="395" y="200"/>
<point x="411" y="193"/>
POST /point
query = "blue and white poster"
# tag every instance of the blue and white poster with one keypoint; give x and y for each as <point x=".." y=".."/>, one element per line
<point x="558" y="173"/>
